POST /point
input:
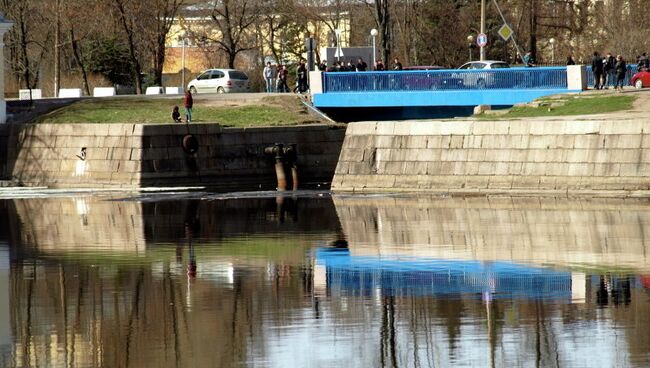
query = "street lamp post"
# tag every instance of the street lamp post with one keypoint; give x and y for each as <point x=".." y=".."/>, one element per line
<point x="482" y="27"/>
<point x="470" y="43"/>
<point x="373" y="33"/>
<point x="182" y="39"/>
<point x="552" y="42"/>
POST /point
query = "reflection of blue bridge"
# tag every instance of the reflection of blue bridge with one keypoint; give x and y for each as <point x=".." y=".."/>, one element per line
<point x="356" y="275"/>
<point x="427" y="88"/>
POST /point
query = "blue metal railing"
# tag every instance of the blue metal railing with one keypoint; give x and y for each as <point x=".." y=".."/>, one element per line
<point x="454" y="79"/>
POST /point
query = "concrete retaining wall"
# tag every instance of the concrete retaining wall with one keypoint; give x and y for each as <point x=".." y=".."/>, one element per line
<point x="506" y="156"/>
<point x="133" y="155"/>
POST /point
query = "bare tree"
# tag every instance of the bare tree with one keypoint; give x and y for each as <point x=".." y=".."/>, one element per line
<point x="381" y="11"/>
<point x="234" y="19"/>
<point x="27" y="41"/>
<point x="127" y="14"/>
<point x="163" y="16"/>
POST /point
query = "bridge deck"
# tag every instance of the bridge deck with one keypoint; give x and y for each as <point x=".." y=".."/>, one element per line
<point x="502" y="97"/>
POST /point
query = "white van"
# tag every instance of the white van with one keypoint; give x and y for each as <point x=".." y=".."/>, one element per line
<point x="219" y="81"/>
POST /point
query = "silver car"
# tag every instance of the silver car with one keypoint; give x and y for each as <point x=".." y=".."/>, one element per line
<point x="219" y="81"/>
<point x="478" y="79"/>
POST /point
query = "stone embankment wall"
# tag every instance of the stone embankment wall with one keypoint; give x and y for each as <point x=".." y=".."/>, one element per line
<point x="488" y="157"/>
<point x="134" y="155"/>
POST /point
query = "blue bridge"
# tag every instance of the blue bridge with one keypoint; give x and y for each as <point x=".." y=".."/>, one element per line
<point x="440" y="87"/>
<point x="435" y="93"/>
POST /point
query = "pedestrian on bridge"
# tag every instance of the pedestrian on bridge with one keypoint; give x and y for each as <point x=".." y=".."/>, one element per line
<point x="269" y="76"/>
<point x="397" y="65"/>
<point x="621" y="71"/>
<point x="609" y="68"/>
<point x="597" y="69"/>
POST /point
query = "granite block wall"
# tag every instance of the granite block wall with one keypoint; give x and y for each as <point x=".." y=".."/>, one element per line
<point x="134" y="155"/>
<point x="486" y="156"/>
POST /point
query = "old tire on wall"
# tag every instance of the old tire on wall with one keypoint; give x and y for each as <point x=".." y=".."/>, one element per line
<point x="190" y="144"/>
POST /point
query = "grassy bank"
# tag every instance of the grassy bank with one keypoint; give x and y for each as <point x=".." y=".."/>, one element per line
<point x="268" y="111"/>
<point x="569" y="105"/>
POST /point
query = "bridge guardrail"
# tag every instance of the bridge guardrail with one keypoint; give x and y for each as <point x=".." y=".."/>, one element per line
<point x="452" y="79"/>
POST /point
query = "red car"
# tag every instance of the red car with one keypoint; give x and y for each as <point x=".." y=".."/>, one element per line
<point x="641" y="79"/>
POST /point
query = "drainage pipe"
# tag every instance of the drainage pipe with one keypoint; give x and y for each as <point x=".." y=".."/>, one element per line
<point x="291" y="155"/>
<point x="278" y="150"/>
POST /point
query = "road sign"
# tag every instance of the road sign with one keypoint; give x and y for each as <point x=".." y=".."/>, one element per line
<point x="505" y="32"/>
<point x="481" y="40"/>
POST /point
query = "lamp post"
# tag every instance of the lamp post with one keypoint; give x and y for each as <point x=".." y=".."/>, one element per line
<point x="552" y="42"/>
<point x="373" y="33"/>
<point x="482" y="27"/>
<point x="182" y="39"/>
<point x="470" y="43"/>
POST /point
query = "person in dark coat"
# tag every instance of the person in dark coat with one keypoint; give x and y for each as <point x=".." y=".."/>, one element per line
<point x="176" y="116"/>
<point x="301" y="77"/>
<point x="397" y="65"/>
<point x="361" y="65"/>
<point x="597" y="69"/>
<point x="570" y="61"/>
<point x="188" y="103"/>
<point x="621" y="71"/>
<point x="609" y="69"/>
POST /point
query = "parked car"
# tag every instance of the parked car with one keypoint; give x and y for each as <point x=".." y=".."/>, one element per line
<point x="219" y="81"/>
<point x="481" y="80"/>
<point x="641" y="79"/>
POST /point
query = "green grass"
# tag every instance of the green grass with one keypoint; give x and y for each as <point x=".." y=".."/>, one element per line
<point x="288" y="111"/>
<point x="573" y="105"/>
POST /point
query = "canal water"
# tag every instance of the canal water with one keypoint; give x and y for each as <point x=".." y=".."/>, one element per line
<point x="311" y="279"/>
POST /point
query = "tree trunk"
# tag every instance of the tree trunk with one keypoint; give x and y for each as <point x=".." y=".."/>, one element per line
<point x="136" y="69"/>
<point x="77" y="57"/>
<point x="159" y="60"/>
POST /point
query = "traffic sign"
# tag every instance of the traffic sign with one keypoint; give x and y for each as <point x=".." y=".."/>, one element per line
<point x="481" y="40"/>
<point x="505" y="32"/>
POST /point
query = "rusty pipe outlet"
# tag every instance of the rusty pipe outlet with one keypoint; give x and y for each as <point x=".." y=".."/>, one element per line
<point x="291" y="155"/>
<point x="277" y="150"/>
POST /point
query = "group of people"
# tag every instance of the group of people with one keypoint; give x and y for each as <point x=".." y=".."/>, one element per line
<point x="359" y="66"/>
<point x="609" y="71"/>
<point x="276" y="79"/>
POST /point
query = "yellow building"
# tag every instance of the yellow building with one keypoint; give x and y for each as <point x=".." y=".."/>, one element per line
<point x="191" y="46"/>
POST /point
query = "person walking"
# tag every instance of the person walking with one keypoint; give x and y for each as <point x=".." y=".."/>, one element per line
<point x="301" y="77"/>
<point x="282" y="79"/>
<point x="597" y="69"/>
<point x="621" y="71"/>
<point x="528" y="60"/>
<point x="269" y="76"/>
<point x="188" y="103"/>
<point x="609" y="68"/>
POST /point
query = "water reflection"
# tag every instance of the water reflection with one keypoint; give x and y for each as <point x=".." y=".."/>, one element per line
<point x="311" y="281"/>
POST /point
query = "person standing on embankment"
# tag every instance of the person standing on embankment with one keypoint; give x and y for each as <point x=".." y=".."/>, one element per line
<point x="188" y="102"/>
